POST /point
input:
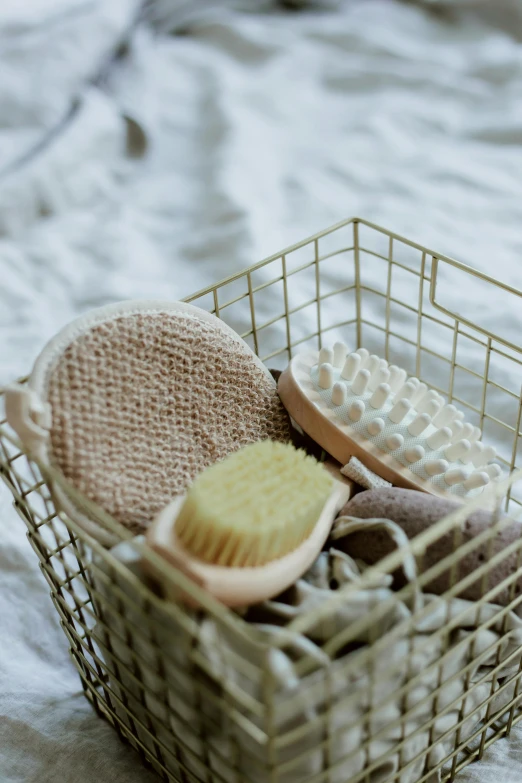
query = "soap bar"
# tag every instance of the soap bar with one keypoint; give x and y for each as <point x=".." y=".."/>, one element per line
<point x="416" y="511"/>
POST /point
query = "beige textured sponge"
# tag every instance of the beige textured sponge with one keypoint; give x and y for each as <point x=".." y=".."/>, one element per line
<point x="144" y="396"/>
<point x="416" y="511"/>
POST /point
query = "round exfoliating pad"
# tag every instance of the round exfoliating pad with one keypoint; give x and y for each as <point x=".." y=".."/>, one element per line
<point x="144" y="396"/>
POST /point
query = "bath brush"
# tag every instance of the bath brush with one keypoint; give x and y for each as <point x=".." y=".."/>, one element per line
<point x="250" y="525"/>
<point x="131" y="401"/>
<point x="358" y="405"/>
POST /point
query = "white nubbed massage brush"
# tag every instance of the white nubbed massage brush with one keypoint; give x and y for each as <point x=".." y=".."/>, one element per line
<point x="359" y="405"/>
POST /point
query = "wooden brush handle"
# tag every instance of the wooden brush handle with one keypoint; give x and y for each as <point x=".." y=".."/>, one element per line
<point x="239" y="587"/>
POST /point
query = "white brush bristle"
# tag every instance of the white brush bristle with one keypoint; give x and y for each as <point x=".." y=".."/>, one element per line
<point x="439" y="438"/>
<point x="467" y="431"/>
<point x="494" y="471"/>
<point x="373" y="363"/>
<point x="395" y="441"/>
<point x="339" y="354"/>
<point x="363" y="353"/>
<point x="455" y="476"/>
<point x="339" y="392"/>
<point x="419" y="394"/>
<point x="433" y="407"/>
<point x="376" y="426"/>
<point x="477" y="434"/>
<point x="488" y="454"/>
<point x="325" y="376"/>
<point x="380" y="395"/>
<point x="422" y="405"/>
<point x="477" y="479"/>
<point x="458" y="450"/>
<point x="435" y="467"/>
<point x="360" y="384"/>
<point x="400" y="410"/>
<point x="405" y="418"/>
<point x="351" y="367"/>
<point x="407" y="391"/>
<point x="381" y="375"/>
<point x="326" y="356"/>
<point x="414" y="453"/>
<point x="419" y="424"/>
<point x="457" y="429"/>
<point x="397" y="377"/>
<point x="475" y="454"/>
<point x="445" y="416"/>
<point x="356" y="410"/>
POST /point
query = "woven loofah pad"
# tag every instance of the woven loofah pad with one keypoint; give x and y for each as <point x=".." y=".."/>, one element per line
<point x="144" y="401"/>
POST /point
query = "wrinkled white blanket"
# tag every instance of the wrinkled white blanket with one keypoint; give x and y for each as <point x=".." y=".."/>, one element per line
<point x="261" y="128"/>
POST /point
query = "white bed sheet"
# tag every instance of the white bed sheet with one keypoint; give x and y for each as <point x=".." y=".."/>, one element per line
<point x="262" y="128"/>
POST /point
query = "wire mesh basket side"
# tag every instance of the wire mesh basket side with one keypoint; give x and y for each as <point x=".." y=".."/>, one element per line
<point x="371" y="287"/>
<point x="159" y="673"/>
<point x="204" y="698"/>
<point x="420" y="681"/>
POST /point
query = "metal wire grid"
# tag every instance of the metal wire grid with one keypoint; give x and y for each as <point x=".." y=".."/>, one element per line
<point x="196" y="721"/>
<point x="360" y="243"/>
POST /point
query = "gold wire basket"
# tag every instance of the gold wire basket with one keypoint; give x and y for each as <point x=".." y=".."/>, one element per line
<point x="195" y="693"/>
